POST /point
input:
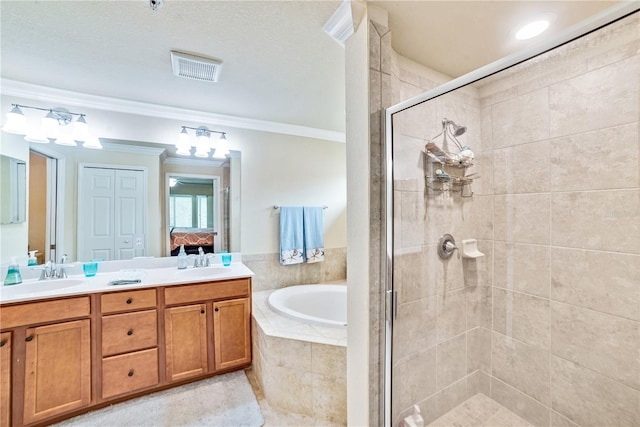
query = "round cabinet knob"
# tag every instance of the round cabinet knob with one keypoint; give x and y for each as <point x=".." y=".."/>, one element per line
<point x="130" y="373"/>
<point x="217" y="309"/>
<point x="2" y="343"/>
<point x="202" y="311"/>
<point x="130" y="332"/>
<point x="129" y="301"/>
<point x="29" y="338"/>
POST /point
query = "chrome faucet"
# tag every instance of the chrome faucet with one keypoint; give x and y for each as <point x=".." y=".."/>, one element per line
<point x="201" y="259"/>
<point x="51" y="271"/>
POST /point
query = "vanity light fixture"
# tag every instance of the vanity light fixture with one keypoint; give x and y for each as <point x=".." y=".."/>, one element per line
<point x="54" y="126"/>
<point x="203" y="142"/>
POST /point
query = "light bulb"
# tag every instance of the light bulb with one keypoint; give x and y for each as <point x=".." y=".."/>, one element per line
<point x="183" y="137"/>
<point x="37" y="136"/>
<point x="80" y="129"/>
<point x="183" y="150"/>
<point x="202" y="150"/>
<point x="222" y="148"/>
<point x="532" y="29"/>
<point x="16" y="122"/>
<point x="50" y="125"/>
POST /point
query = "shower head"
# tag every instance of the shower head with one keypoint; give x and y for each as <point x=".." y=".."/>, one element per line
<point x="456" y="129"/>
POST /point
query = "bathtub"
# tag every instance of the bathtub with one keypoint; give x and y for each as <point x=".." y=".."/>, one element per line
<point x="324" y="305"/>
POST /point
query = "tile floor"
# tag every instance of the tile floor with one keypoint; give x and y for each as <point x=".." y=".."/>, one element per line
<point x="479" y="411"/>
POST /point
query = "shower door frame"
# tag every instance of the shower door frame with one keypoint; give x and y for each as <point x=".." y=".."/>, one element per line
<point x="581" y="29"/>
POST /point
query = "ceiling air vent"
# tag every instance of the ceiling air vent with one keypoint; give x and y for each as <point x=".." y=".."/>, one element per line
<point x="195" y="67"/>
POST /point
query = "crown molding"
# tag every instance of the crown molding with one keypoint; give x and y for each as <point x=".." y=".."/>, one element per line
<point x="216" y="163"/>
<point x="344" y="21"/>
<point x="71" y="98"/>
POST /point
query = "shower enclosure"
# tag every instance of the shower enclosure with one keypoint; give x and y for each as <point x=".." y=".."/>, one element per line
<point x="513" y="246"/>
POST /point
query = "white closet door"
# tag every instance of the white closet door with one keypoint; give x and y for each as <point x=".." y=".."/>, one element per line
<point x="111" y="214"/>
<point x="129" y="214"/>
<point x="96" y="214"/>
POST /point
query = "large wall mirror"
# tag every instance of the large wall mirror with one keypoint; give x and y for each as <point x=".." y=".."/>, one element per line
<point x="13" y="179"/>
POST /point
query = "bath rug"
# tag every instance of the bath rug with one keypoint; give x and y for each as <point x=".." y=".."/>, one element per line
<point x="220" y="401"/>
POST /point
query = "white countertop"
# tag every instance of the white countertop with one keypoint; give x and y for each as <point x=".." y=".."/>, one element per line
<point x="34" y="289"/>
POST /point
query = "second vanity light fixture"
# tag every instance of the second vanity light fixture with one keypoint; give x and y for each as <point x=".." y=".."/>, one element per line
<point x="55" y="125"/>
<point x="204" y="143"/>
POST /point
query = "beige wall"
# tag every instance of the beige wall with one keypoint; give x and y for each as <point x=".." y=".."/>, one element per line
<point x="547" y="323"/>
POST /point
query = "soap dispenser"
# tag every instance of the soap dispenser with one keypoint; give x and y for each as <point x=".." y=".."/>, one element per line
<point x="32" y="259"/>
<point x="13" y="274"/>
<point x="182" y="258"/>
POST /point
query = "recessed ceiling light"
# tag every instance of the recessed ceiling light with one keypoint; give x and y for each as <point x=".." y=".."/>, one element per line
<point x="532" y="29"/>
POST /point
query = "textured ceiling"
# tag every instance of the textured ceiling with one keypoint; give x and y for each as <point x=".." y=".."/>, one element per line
<point x="279" y="65"/>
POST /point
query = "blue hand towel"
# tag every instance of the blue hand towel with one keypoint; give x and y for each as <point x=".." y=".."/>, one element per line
<point x="291" y="235"/>
<point x="313" y="233"/>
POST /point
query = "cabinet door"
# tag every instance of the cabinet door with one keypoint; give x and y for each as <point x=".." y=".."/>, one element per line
<point x="57" y="369"/>
<point x="186" y="341"/>
<point x="232" y="333"/>
<point x="5" y="379"/>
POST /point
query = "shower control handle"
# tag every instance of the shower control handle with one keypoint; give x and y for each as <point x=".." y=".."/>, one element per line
<point x="446" y="246"/>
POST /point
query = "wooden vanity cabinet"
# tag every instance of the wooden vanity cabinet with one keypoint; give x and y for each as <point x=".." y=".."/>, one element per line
<point x="5" y="379"/>
<point x="129" y="342"/>
<point x="207" y="327"/>
<point x="46" y="359"/>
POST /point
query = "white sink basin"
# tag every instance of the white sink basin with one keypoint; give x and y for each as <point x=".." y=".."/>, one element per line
<point x="42" y="286"/>
<point x="204" y="272"/>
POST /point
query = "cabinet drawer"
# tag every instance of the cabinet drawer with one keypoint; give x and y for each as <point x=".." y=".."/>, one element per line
<point x="207" y="291"/>
<point x="126" y="332"/>
<point x="43" y="312"/>
<point x="128" y="300"/>
<point x="129" y="372"/>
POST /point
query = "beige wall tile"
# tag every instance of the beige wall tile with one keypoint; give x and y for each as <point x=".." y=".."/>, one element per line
<point x="289" y="389"/>
<point x="451" y="396"/>
<point x="415" y="327"/>
<point x="420" y="121"/>
<point x="451" y="315"/>
<point x="329" y="360"/>
<point x="478" y="271"/>
<point x="415" y="273"/>
<point x="522" y="169"/>
<point x="522" y="218"/>
<point x="478" y="382"/>
<point x="374" y="47"/>
<point x="415" y="378"/>
<point x="288" y="353"/>
<point x="476" y="218"/>
<point x="478" y="350"/>
<point x="479" y="306"/>
<point x="591" y="399"/>
<point x="602" y="281"/>
<point x="522" y="268"/>
<point x="522" y="366"/>
<point x="602" y="159"/>
<point x="606" y="344"/>
<point x="600" y="220"/>
<point x="412" y="219"/>
<point x="452" y="361"/>
<point x="330" y="399"/>
<point x="523" y="317"/>
<point x="585" y="102"/>
<point x="518" y="402"/>
<point x="524" y="118"/>
<point x="408" y="161"/>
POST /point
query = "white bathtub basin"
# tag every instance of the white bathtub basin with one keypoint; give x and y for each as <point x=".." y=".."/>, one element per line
<point x="324" y="305"/>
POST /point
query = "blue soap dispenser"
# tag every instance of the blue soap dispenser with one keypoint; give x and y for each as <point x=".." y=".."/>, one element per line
<point x="13" y="274"/>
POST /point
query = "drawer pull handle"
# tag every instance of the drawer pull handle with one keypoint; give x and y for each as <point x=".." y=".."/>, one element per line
<point x="129" y="301"/>
<point x="130" y="332"/>
<point x="217" y="309"/>
<point x="29" y="338"/>
<point x="2" y="343"/>
<point x="202" y="311"/>
<point x="130" y="373"/>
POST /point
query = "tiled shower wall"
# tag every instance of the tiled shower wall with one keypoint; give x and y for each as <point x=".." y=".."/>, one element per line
<point x="565" y="336"/>
<point x="547" y="323"/>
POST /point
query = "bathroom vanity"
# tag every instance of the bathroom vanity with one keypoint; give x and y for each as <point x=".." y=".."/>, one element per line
<point x="91" y="344"/>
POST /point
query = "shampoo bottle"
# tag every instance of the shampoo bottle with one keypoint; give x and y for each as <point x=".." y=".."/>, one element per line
<point x="182" y="258"/>
<point x="32" y="259"/>
<point x="13" y="274"/>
